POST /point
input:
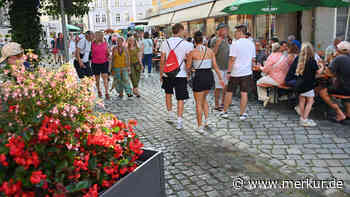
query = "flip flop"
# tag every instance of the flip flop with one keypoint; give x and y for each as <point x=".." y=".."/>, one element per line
<point x="218" y="108"/>
<point x="336" y="121"/>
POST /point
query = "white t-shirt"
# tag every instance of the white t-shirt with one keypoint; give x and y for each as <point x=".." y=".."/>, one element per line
<point x="85" y="48"/>
<point x="244" y="52"/>
<point x="181" y="51"/>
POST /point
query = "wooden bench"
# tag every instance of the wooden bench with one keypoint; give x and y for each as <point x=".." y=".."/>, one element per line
<point x="284" y="87"/>
<point x="337" y="96"/>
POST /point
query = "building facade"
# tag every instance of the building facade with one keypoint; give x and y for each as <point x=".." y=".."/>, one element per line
<point x="116" y="14"/>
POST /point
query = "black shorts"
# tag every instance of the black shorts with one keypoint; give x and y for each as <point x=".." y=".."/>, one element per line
<point x="83" y="72"/>
<point x="180" y="85"/>
<point x="203" y="80"/>
<point x="243" y="82"/>
<point x="100" y="68"/>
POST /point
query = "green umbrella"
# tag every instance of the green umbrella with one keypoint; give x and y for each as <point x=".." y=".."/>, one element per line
<point x="260" y="7"/>
<point x="322" y="3"/>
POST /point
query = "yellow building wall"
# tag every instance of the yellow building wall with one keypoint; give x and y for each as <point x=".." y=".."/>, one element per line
<point x="165" y="4"/>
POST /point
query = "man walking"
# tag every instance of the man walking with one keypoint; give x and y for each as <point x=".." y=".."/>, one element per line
<point x="181" y="48"/>
<point x="82" y="56"/>
<point x="242" y="56"/>
<point x="222" y="50"/>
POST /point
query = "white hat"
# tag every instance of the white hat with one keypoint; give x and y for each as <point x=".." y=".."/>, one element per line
<point x="344" y="46"/>
<point x="10" y="49"/>
<point x="275" y="46"/>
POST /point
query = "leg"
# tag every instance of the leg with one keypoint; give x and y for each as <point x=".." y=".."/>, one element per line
<point x="205" y="105"/>
<point x="126" y="81"/>
<point x="105" y="82"/>
<point x="149" y="62"/>
<point x="217" y="97"/>
<point x="118" y="81"/>
<point x="198" y="96"/>
<point x="223" y="95"/>
<point x="301" y="105"/>
<point x="168" y="98"/>
<point x="228" y="99"/>
<point x="347" y="107"/>
<point x="327" y="99"/>
<point x="244" y="102"/>
<point x="309" y="103"/>
<point x="97" y="78"/>
<point x="180" y="108"/>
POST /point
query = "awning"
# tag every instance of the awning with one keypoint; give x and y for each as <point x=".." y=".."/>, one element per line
<point x="163" y="19"/>
<point x="192" y="13"/>
<point x="220" y="5"/>
<point x="72" y="28"/>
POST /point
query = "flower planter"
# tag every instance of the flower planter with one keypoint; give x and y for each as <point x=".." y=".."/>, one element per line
<point x="147" y="179"/>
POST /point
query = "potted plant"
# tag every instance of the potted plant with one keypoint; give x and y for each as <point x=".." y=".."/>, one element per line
<point x="53" y="144"/>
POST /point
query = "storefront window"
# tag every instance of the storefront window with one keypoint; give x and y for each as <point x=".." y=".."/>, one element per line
<point x="342" y="17"/>
<point x="196" y="26"/>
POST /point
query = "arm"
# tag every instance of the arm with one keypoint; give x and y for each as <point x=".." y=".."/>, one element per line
<point x="127" y="57"/>
<point x="113" y="52"/>
<point x="215" y="66"/>
<point x="217" y="44"/>
<point x="268" y="65"/>
<point x="230" y="65"/>
<point x="139" y="57"/>
<point x="189" y="62"/>
<point x="77" y="56"/>
<point x="162" y="64"/>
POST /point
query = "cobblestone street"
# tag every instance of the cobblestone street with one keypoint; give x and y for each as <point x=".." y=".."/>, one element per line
<point x="269" y="145"/>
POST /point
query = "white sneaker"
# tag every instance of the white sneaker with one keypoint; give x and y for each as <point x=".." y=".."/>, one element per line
<point x="244" y="116"/>
<point x="179" y="125"/>
<point x="170" y="117"/>
<point x="200" y="129"/>
<point x="311" y="123"/>
<point x="297" y="109"/>
<point x="223" y="115"/>
<point x="307" y="123"/>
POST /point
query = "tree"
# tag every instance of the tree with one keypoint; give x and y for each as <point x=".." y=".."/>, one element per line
<point x="25" y="17"/>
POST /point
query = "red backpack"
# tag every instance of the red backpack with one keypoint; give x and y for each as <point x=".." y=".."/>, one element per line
<point x="172" y="66"/>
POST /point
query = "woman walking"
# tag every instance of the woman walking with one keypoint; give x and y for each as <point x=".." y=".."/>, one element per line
<point x="306" y="71"/>
<point x="59" y="46"/>
<point x="203" y="60"/>
<point x="121" y="69"/>
<point x="147" y="52"/>
<point x="100" y="54"/>
<point x="135" y="64"/>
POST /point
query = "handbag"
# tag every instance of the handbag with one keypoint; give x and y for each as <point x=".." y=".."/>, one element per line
<point x="55" y="51"/>
<point x="192" y="75"/>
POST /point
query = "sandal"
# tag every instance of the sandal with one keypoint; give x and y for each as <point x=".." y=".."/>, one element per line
<point x="107" y="96"/>
<point x="218" y="108"/>
<point x="99" y="94"/>
<point x="130" y="95"/>
<point x="333" y="119"/>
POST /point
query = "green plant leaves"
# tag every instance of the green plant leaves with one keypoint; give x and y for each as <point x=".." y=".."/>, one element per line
<point x="75" y="187"/>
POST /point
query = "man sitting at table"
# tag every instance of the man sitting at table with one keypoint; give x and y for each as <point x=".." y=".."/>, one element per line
<point x="340" y="69"/>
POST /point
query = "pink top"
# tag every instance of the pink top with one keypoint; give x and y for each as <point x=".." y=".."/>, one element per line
<point x="99" y="53"/>
<point x="276" y="72"/>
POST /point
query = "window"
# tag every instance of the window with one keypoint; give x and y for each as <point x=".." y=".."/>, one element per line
<point x="96" y="3"/>
<point x="98" y="19"/>
<point x="104" y="3"/>
<point x="117" y="18"/>
<point x="342" y="16"/>
<point x="126" y="17"/>
<point x="103" y="19"/>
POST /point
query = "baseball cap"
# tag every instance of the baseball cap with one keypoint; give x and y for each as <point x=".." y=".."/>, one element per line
<point x="242" y="27"/>
<point x="220" y="26"/>
<point x="344" y="46"/>
<point x="10" y="49"/>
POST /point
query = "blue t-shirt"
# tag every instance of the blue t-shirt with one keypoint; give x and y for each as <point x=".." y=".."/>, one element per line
<point x="148" y="46"/>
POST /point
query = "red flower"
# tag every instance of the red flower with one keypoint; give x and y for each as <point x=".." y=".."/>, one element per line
<point x="123" y="170"/>
<point x="109" y="170"/>
<point x="67" y="127"/>
<point x="12" y="107"/>
<point x="9" y="188"/>
<point x="93" y="192"/>
<point x="106" y="183"/>
<point x="3" y="160"/>
<point x="37" y="176"/>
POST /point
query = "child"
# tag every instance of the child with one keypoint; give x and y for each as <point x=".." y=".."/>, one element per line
<point x="306" y="72"/>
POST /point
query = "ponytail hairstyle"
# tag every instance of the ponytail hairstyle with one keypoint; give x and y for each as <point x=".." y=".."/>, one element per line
<point x="306" y="53"/>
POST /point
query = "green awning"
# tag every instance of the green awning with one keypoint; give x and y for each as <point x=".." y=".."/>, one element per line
<point x="322" y="3"/>
<point x="72" y="28"/>
<point x="260" y="7"/>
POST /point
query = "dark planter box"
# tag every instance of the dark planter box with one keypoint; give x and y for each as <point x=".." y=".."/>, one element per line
<point x="147" y="180"/>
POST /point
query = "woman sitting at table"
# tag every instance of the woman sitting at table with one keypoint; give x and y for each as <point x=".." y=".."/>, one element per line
<point x="340" y="69"/>
<point x="274" y="72"/>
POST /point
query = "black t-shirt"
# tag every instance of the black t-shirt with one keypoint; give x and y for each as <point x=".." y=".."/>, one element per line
<point x="309" y="76"/>
<point x="340" y="66"/>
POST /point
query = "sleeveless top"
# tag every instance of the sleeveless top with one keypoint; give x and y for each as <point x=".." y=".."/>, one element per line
<point x="222" y="56"/>
<point x="119" y="59"/>
<point x="60" y="44"/>
<point x="133" y="53"/>
<point x="99" y="53"/>
<point x="206" y="64"/>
